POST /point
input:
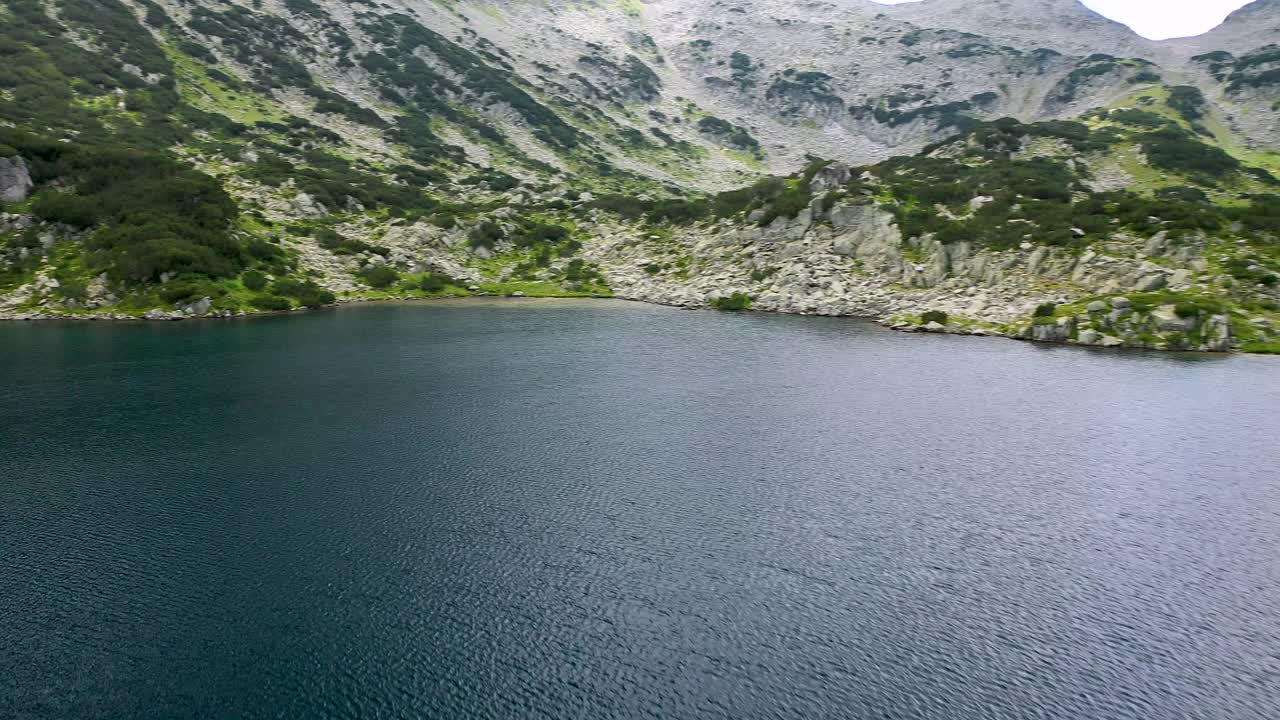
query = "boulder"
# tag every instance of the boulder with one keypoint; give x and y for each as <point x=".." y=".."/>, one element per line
<point x="976" y="204"/>
<point x="15" y="180"/>
<point x="1121" y="303"/>
<point x="1151" y="283"/>
<point x="199" y="307"/>
<point x="1181" y="279"/>
<point x="307" y="206"/>
<point x="831" y="177"/>
<point x="1089" y="337"/>
<point x="1166" y="318"/>
<point x="1058" y="332"/>
<point x="866" y="232"/>
<point x="1037" y="257"/>
<point x="1097" y="306"/>
<point x="1217" y="333"/>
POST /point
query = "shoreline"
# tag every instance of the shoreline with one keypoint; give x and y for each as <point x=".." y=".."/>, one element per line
<point x="178" y="316"/>
<point x="886" y="323"/>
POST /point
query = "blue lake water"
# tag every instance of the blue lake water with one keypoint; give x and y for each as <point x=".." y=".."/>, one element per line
<point x="598" y="509"/>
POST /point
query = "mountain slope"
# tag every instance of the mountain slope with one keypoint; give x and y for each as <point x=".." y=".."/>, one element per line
<point x="1066" y="26"/>
<point x="170" y="159"/>
<point x="1249" y="28"/>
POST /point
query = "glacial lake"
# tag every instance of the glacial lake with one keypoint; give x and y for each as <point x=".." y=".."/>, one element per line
<point x="600" y="509"/>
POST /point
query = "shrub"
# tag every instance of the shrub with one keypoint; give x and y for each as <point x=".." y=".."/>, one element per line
<point x="434" y="282"/>
<point x="535" y="233"/>
<point x="1188" y="101"/>
<point x="73" y="288"/>
<point x="153" y="215"/>
<point x="579" y="272"/>
<point x="1045" y="310"/>
<point x="1176" y="149"/>
<point x="1138" y="118"/>
<point x="628" y="206"/>
<point x="789" y="203"/>
<point x="335" y="243"/>
<point x="254" y="280"/>
<point x="679" y="211"/>
<point x="486" y="235"/>
<point x="937" y="316"/>
<point x="60" y="207"/>
<point x="307" y="293"/>
<point x="1186" y="309"/>
<point x="736" y="302"/>
<point x="177" y="291"/>
<point x="328" y="238"/>
<point x="379" y="276"/>
<point x="270" y="302"/>
<point x="445" y="220"/>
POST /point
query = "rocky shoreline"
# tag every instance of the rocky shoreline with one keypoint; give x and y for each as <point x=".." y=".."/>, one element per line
<point x="1058" y="333"/>
<point x="850" y="259"/>
<point x="846" y="258"/>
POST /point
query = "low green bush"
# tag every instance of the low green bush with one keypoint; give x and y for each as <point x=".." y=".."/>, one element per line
<point x="485" y="235"/>
<point x="1173" y="148"/>
<point x="307" y="293"/>
<point x="176" y="291"/>
<point x="379" y="276"/>
<point x="930" y="316"/>
<point x="434" y="282"/>
<point x="1186" y="310"/>
<point x="736" y="302"/>
<point x="270" y="302"/>
<point x="253" y="280"/>
<point x="1045" y="310"/>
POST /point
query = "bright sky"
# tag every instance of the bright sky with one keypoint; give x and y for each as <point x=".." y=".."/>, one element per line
<point x="1158" y="19"/>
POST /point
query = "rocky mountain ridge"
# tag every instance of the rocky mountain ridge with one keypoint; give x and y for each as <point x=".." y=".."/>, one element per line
<point x="1253" y="26"/>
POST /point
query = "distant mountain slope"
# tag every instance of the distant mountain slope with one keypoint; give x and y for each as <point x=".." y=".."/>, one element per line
<point x="1249" y="28"/>
<point x="1067" y="26"/>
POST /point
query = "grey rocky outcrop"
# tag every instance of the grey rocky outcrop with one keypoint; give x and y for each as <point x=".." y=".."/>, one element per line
<point x="15" y="180"/>
<point x="855" y="261"/>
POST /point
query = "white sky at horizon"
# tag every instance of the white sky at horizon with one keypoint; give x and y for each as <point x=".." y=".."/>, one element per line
<point x="1157" y="19"/>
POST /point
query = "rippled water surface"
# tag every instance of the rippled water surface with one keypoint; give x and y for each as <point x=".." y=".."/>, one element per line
<point x="609" y="510"/>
